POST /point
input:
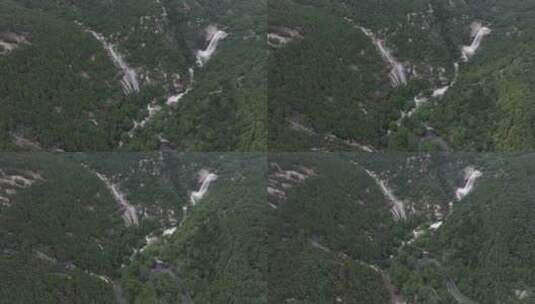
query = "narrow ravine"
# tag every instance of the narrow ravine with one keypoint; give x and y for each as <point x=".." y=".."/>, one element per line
<point x="470" y="177"/>
<point x="11" y="184"/>
<point x="205" y="178"/>
<point x="280" y="181"/>
<point x="478" y="32"/>
<point x="9" y="41"/>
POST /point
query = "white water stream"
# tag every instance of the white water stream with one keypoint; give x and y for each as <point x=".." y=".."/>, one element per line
<point x="205" y="178"/>
<point x="214" y="35"/>
<point x="436" y="225"/>
<point x="129" y="81"/>
<point x="470" y="177"/>
<point x="397" y="73"/>
<point x="129" y="211"/>
<point x="478" y="33"/>
<point x="174" y="99"/>
<point x="398" y="207"/>
<point x="153" y="110"/>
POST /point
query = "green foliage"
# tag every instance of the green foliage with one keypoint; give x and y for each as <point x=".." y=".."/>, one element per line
<point x="61" y="90"/>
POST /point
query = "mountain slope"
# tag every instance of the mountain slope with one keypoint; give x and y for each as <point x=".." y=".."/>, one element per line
<point x="400" y="75"/>
<point x="401" y="228"/>
<point x="132" y="228"/>
<point x="133" y="75"/>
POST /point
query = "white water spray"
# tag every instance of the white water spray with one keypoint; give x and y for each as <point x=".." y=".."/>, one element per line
<point x="153" y="110"/>
<point x="174" y="99"/>
<point x="129" y="211"/>
<point x="478" y="32"/>
<point x="397" y="73"/>
<point x="440" y="91"/>
<point x="214" y="36"/>
<point x="470" y="177"/>
<point x="436" y="225"/>
<point x="205" y="178"/>
<point x="398" y="207"/>
<point x="129" y="82"/>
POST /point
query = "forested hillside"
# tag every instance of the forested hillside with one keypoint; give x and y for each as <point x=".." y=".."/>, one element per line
<point x="400" y="75"/>
<point x="132" y="228"/>
<point x="132" y="75"/>
<point x="293" y="228"/>
<point x="401" y="228"/>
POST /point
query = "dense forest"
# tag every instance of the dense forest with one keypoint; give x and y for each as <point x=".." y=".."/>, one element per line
<point x="329" y="85"/>
<point x="68" y="235"/>
<point x="267" y="151"/>
<point x="63" y="89"/>
<point x="168" y="227"/>
<point x="336" y="239"/>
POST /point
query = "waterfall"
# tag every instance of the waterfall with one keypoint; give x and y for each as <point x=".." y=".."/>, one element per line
<point x="129" y="211"/>
<point x="214" y="36"/>
<point x="129" y="81"/>
<point x="398" y="207"/>
<point x="470" y="176"/>
<point x="397" y="73"/>
<point x="205" y="178"/>
<point x="478" y="32"/>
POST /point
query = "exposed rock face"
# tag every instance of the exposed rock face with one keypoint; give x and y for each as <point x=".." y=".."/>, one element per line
<point x="12" y="182"/>
<point x="9" y="41"/>
<point x="279" y="181"/>
<point x="281" y="36"/>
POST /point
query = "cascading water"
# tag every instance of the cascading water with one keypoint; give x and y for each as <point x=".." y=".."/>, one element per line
<point x="129" y="211"/>
<point x="398" y="207"/>
<point x="205" y="178"/>
<point x="129" y="81"/>
<point x="470" y="177"/>
<point x="397" y="73"/>
<point x="153" y="110"/>
<point x="214" y="35"/>
<point x="478" y="33"/>
<point x="174" y="99"/>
